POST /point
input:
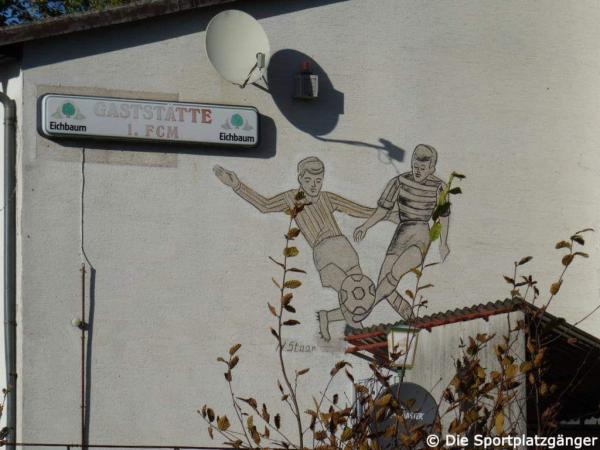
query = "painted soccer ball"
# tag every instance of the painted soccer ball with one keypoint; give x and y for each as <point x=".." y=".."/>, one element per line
<point x="357" y="298"/>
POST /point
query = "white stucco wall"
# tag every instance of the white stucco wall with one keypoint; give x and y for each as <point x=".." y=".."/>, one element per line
<point x="507" y="92"/>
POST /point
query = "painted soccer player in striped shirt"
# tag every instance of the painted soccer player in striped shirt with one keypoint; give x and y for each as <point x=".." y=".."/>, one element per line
<point x="414" y="194"/>
<point x="334" y="256"/>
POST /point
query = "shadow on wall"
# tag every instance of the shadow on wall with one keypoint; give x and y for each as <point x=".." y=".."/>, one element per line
<point x="316" y="117"/>
<point x="9" y="70"/>
<point x="162" y="28"/>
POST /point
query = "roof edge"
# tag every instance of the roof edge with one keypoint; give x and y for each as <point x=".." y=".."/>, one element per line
<point x="137" y="10"/>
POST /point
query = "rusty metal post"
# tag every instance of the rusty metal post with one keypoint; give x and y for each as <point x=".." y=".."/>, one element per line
<point x="82" y="325"/>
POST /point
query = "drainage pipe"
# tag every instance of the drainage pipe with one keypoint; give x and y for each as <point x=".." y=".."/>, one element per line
<point x="10" y="321"/>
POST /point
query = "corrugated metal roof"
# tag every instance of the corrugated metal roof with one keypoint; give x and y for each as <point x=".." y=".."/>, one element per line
<point x="480" y="311"/>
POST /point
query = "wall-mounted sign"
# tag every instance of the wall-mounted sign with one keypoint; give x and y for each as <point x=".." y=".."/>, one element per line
<point x="75" y="116"/>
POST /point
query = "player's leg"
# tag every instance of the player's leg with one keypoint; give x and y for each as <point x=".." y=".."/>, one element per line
<point x="409" y="260"/>
<point x="335" y="260"/>
<point x="325" y="318"/>
<point x="389" y="279"/>
<point x="384" y="286"/>
<point x="332" y="276"/>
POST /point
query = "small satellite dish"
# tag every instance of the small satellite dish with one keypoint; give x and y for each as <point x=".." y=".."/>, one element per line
<point x="237" y="47"/>
<point x="420" y="411"/>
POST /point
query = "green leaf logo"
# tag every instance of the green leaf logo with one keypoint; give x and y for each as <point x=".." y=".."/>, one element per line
<point x="237" y="120"/>
<point x="68" y="109"/>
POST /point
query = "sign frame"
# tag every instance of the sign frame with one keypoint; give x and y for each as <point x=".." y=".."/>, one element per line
<point x="74" y="136"/>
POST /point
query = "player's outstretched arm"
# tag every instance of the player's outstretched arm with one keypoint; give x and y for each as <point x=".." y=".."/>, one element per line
<point x="263" y="204"/>
<point x="354" y="209"/>
<point x="349" y="207"/>
<point x="227" y="177"/>
<point x="361" y="231"/>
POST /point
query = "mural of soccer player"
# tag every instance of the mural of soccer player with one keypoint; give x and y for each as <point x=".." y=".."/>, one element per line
<point x="415" y="195"/>
<point x="334" y="256"/>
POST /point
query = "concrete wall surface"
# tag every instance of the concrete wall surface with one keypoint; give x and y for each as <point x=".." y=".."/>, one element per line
<point x="507" y="92"/>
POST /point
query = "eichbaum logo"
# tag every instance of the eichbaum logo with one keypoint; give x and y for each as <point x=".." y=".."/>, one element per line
<point x="68" y="111"/>
<point x="236" y="121"/>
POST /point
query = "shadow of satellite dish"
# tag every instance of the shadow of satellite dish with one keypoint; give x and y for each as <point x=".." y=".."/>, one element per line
<point x="316" y="117"/>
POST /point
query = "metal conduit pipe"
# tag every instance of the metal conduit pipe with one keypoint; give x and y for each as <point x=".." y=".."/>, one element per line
<point x="10" y="278"/>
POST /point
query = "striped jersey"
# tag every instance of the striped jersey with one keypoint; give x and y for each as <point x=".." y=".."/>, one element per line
<point x="316" y="221"/>
<point x="414" y="201"/>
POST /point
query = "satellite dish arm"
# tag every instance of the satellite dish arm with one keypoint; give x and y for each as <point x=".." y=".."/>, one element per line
<point x="260" y="64"/>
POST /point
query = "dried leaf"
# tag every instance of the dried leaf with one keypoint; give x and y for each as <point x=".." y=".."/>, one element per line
<point x="525" y="260"/>
<point x="499" y="423"/>
<point x="290" y="252"/>
<point x="346" y="434"/>
<point x="302" y="371"/>
<point x="234" y="361"/>
<point x="277" y="420"/>
<point x="339" y="366"/>
<point x="555" y="287"/>
<point x="255" y="436"/>
<point x="265" y="413"/>
<point x="210" y="414"/>
<point x="567" y="259"/>
<point x="291" y="323"/>
<point x="509" y="280"/>
<point x="295" y="269"/>
<point x="234" y="349"/>
<point x="250" y="401"/>
<point x="578" y="239"/>
<point x="292" y="284"/>
<point x="287" y="298"/>
<point x="272" y="309"/>
<point x="223" y="423"/>
<point x="384" y="400"/>
<point x="293" y="233"/>
<point x="526" y="366"/>
<point x="563" y="244"/>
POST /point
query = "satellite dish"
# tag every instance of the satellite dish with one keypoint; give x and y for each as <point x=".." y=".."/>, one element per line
<point x="420" y="411"/>
<point x="237" y="47"/>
